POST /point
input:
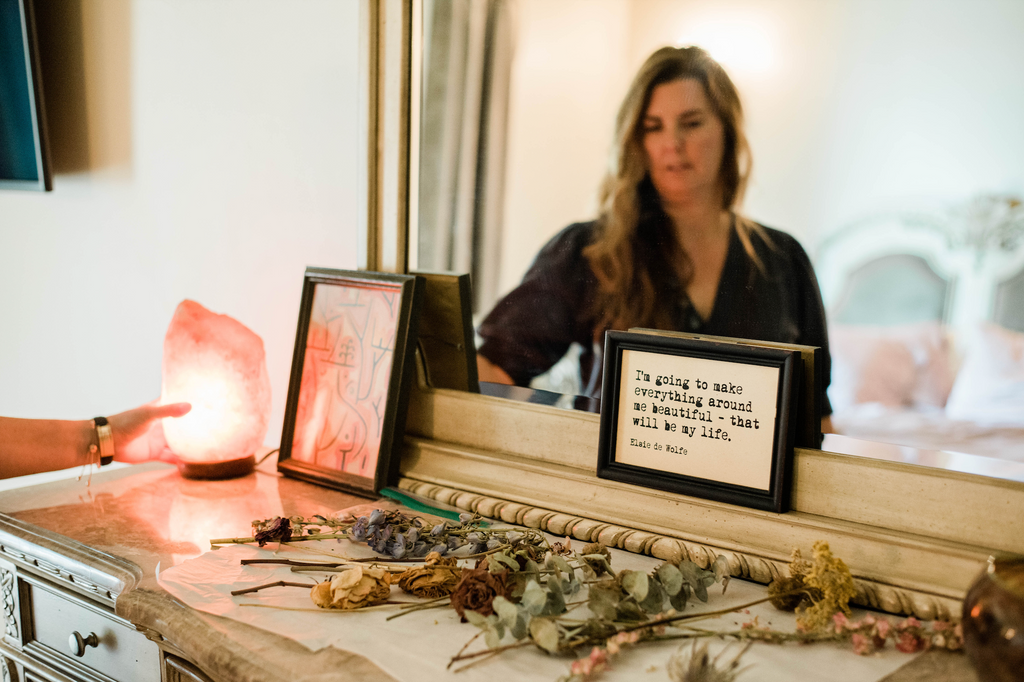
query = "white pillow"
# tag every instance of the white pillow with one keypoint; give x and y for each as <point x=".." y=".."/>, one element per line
<point x="899" y="366"/>
<point x="989" y="389"/>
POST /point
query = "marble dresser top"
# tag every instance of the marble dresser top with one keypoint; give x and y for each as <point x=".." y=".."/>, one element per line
<point x="152" y="517"/>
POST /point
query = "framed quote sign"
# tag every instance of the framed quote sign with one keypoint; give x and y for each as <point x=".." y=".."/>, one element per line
<point x="351" y="372"/>
<point x="702" y="418"/>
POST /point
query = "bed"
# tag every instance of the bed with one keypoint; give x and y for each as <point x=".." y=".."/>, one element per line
<point x="926" y="328"/>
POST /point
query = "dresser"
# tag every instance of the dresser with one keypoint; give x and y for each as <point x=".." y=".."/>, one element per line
<point x="81" y="602"/>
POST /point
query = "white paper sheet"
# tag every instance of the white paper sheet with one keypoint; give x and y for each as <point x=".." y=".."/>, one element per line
<point x="418" y="646"/>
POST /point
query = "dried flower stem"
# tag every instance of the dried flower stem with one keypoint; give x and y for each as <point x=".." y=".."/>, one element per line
<point x="378" y="607"/>
<point x="279" y="583"/>
<point x="287" y="562"/>
<point x="485" y="652"/>
<point x="344" y="567"/>
<point x="421" y="607"/>
<point x="482" y="659"/>
<point x="232" y="541"/>
<point x="463" y="649"/>
<point x="497" y="649"/>
<point x="691" y="617"/>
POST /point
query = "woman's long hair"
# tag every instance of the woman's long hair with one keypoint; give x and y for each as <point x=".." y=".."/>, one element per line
<point x="633" y="265"/>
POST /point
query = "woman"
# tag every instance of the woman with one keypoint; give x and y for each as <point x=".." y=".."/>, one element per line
<point x="30" y="446"/>
<point x="669" y="249"/>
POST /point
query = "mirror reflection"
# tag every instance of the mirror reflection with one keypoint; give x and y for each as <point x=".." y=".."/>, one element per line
<point x="884" y="139"/>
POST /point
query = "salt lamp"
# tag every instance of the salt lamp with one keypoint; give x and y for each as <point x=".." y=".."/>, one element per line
<point x="217" y="364"/>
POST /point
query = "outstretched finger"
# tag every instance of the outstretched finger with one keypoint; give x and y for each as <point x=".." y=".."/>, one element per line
<point x="172" y="410"/>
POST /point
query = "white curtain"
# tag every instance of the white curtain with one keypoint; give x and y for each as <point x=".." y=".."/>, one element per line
<point x="467" y="61"/>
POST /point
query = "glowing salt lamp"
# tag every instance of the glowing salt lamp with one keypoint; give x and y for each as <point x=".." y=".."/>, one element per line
<point x="217" y="364"/>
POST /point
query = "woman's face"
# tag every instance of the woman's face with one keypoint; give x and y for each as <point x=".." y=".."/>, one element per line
<point x="684" y="140"/>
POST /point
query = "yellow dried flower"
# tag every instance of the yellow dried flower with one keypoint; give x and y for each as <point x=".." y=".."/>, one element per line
<point x="785" y="593"/>
<point x="832" y="577"/>
<point x="798" y="566"/>
<point x="437" y="578"/>
<point x="353" y="588"/>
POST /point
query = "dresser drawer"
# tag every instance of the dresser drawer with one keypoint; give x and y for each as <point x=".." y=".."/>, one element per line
<point x="104" y="644"/>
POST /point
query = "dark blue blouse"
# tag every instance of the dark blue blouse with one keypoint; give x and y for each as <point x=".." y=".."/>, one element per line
<point x="532" y="327"/>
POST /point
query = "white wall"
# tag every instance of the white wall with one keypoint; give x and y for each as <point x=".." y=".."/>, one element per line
<point x="853" y="106"/>
<point x="569" y="72"/>
<point x="221" y="160"/>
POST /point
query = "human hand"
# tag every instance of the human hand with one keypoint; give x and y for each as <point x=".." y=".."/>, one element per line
<point x="139" y="433"/>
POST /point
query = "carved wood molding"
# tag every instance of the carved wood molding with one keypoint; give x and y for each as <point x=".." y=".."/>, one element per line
<point x="8" y="671"/>
<point x="9" y="594"/>
<point x="871" y="594"/>
<point x="59" y="574"/>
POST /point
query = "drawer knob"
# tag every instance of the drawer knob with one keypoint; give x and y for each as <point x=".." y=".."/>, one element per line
<point x="79" y="644"/>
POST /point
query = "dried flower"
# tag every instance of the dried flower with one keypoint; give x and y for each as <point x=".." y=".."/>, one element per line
<point x="353" y="588"/>
<point x="862" y="645"/>
<point x="798" y="566"/>
<point x="786" y="594"/>
<point x="596" y="662"/>
<point x="841" y="621"/>
<point x="831" y="576"/>
<point x="909" y="643"/>
<point x="597" y="548"/>
<point x="279" y="530"/>
<point x="437" y="578"/>
<point x="699" y="666"/>
<point x="476" y="591"/>
<point x="562" y="548"/>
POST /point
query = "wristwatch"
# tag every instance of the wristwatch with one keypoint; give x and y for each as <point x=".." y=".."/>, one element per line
<point x="106" y="441"/>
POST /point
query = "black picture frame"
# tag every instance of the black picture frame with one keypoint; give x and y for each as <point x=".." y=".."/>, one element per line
<point x="445" y="338"/>
<point x="770" y="464"/>
<point x="344" y="420"/>
<point x="807" y="419"/>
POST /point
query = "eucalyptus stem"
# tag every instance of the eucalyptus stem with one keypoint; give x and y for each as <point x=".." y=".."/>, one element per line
<point x="484" y="652"/>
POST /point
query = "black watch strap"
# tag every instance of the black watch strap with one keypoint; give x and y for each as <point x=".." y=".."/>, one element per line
<point x="105" y="436"/>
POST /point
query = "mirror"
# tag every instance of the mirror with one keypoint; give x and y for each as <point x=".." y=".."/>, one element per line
<point x="858" y="113"/>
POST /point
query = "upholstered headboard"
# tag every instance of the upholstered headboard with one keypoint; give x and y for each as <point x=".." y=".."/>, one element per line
<point x="895" y="269"/>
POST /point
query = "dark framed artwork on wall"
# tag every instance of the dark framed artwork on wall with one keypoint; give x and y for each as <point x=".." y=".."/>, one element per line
<point x="350" y="379"/>
<point x="702" y="418"/>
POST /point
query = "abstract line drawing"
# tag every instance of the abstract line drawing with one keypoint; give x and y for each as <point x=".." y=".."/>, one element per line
<point x="349" y="358"/>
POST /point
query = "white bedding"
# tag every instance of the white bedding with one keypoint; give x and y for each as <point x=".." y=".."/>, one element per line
<point x="928" y="428"/>
<point x="897" y="385"/>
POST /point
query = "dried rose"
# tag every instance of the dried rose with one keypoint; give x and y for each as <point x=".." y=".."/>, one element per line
<point x="353" y="588"/>
<point x="437" y="578"/>
<point x="279" y="530"/>
<point x="476" y="591"/>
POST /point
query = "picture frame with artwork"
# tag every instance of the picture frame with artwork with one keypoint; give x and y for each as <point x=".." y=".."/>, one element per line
<point x="350" y="379"/>
<point x="708" y="419"/>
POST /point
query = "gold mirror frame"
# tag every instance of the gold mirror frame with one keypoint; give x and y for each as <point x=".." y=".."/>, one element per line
<point x="913" y="536"/>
